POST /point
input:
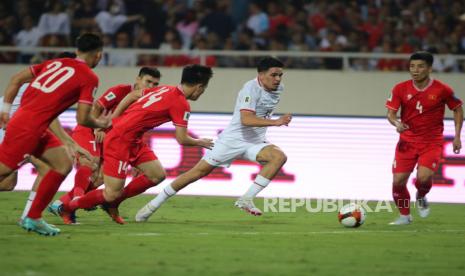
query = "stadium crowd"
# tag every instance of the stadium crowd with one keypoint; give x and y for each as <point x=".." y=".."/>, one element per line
<point x="380" y="26"/>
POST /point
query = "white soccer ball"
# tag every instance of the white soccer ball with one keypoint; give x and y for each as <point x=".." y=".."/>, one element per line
<point x="352" y="215"/>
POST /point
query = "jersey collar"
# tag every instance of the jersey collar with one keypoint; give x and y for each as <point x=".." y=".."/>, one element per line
<point x="424" y="88"/>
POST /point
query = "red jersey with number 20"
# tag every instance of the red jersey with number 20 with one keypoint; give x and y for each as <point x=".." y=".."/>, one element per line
<point x="58" y="84"/>
<point x="422" y="109"/>
<point x="157" y="106"/>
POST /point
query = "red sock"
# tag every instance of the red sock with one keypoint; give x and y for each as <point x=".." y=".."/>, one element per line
<point x="401" y="199"/>
<point x="423" y="187"/>
<point x="87" y="201"/>
<point x="66" y="198"/>
<point x="48" y="187"/>
<point x="137" y="186"/>
<point x="82" y="180"/>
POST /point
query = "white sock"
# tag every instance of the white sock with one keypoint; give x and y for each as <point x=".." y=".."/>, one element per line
<point x="259" y="184"/>
<point x="163" y="196"/>
<point x="31" y="197"/>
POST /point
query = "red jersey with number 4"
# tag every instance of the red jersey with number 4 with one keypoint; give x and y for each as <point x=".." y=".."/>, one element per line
<point x="57" y="85"/>
<point x="157" y="106"/>
<point x="422" y="109"/>
<point x="110" y="100"/>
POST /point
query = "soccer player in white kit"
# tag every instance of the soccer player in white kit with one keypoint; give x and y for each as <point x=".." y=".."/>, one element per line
<point x="244" y="137"/>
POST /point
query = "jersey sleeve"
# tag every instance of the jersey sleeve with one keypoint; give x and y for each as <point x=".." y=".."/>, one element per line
<point x="393" y="102"/>
<point x="451" y="100"/>
<point x="248" y="99"/>
<point x="36" y="68"/>
<point x="180" y="113"/>
<point x="111" y="98"/>
<point x="88" y="90"/>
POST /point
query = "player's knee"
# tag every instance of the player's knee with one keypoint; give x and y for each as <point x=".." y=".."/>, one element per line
<point x="7" y="187"/>
<point x="156" y="177"/>
<point x="112" y="195"/>
<point x="278" y="157"/>
<point x="424" y="179"/>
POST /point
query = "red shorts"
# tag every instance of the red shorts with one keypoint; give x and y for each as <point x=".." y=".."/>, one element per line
<point x="408" y="154"/>
<point x="118" y="154"/>
<point x="19" y="142"/>
<point x="85" y="138"/>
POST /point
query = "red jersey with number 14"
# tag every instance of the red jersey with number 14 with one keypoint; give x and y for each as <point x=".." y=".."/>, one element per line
<point x="422" y="109"/>
<point x="58" y="84"/>
<point x="157" y="106"/>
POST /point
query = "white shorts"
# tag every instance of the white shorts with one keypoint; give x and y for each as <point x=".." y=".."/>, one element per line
<point x="223" y="154"/>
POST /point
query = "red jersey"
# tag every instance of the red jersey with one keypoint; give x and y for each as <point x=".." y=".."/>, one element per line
<point x="110" y="100"/>
<point x="57" y="85"/>
<point x="422" y="109"/>
<point x="157" y="106"/>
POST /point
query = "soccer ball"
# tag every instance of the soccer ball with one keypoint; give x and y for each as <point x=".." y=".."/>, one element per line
<point x="351" y="215"/>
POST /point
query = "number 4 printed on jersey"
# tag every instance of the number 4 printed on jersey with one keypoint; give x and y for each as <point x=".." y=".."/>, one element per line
<point x="419" y="107"/>
<point x="153" y="97"/>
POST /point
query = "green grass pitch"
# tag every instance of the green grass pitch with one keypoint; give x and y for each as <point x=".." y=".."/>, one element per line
<point x="209" y="236"/>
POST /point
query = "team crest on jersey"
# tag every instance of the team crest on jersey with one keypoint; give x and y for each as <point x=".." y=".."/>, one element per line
<point x="432" y="97"/>
<point x="186" y="116"/>
<point x="110" y="96"/>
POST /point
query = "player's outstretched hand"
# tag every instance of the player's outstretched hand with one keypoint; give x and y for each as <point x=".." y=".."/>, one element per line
<point x="401" y="127"/>
<point x="457" y="144"/>
<point x="99" y="135"/>
<point x="284" y="120"/>
<point x="4" y="118"/>
<point x="75" y="148"/>
<point x="206" y="143"/>
<point x="104" y="120"/>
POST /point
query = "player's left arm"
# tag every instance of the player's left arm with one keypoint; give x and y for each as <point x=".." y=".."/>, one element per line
<point x="183" y="138"/>
<point x="458" y="120"/>
<point x="127" y="101"/>
<point x="64" y="137"/>
<point x="11" y="91"/>
<point x="85" y="117"/>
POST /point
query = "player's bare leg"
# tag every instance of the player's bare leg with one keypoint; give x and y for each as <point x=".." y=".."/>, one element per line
<point x="201" y="169"/>
<point x="9" y="183"/>
<point x="5" y="171"/>
<point x="423" y="183"/>
<point x="401" y="198"/>
<point x="152" y="173"/>
<point x="273" y="159"/>
<point x="41" y="168"/>
<point x="60" y="164"/>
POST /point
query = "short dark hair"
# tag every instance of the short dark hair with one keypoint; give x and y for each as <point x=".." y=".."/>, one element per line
<point x="268" y="62"/>
<point x="423" y="55"/>
<point x="66" y="55"/>
<point x="89" y="42"/>
<point x="151" y="71"/>
<point x="196" y="74"/>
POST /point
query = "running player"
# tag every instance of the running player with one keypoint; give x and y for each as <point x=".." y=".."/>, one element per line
<point x="244" y="137"/>
<point x="422" y="102"/>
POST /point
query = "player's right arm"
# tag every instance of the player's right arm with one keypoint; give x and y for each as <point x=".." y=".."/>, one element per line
<point x="85" y="117"/>
<point x="61" y="134"/>
<point x="393" y="104"/>
<point x="183" y="138"/>
<point x="248" y="118"/>
<point x="11" y="91"/>
<point x="127" y="101"/>
<point x="392" y="118"/>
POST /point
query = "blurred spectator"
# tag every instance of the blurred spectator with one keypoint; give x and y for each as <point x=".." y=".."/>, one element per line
<point x="128" y="58"/>
<point x="28" y="36"/>
<point x="217" y="21"/>
<point x="55" y="22"/>
<point x="84" y="16"/>
<point x="187" y="27"/>
<point x="111" y="19"/>
<point x="201" y="44"/>
<point x="444" y="64"/>
<point x="258" y="20"/>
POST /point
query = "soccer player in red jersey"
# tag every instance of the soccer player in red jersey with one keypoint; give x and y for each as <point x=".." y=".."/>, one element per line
<point x="87" y="174"/>
<point x="123" y="145"/>
<point x="55" y="86"/>
<point x="422" y="102"/>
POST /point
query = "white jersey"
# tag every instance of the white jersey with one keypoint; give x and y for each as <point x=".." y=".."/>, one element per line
<point x="14" y="105"/>
<point x="254" y="98"/>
